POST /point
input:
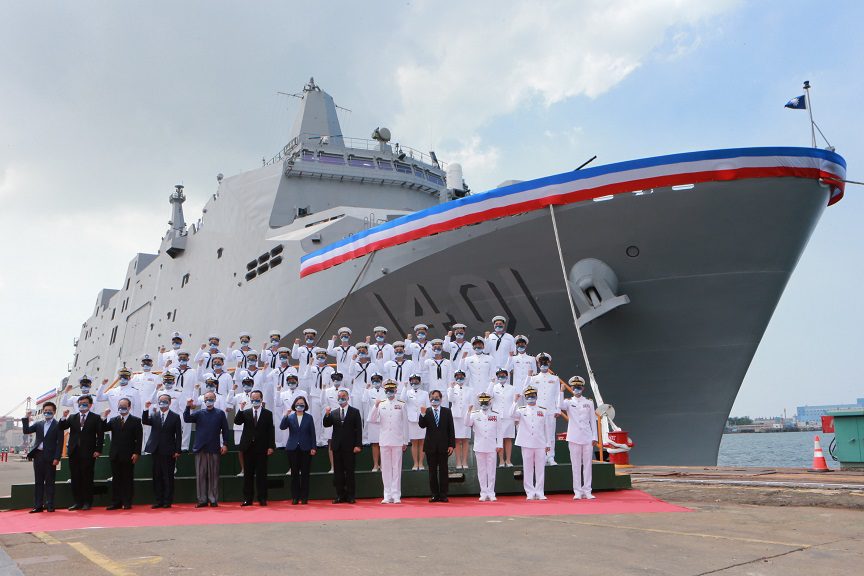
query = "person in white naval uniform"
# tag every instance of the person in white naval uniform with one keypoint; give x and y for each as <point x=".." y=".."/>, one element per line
<point x="270" y="352"/>
<point x="146" y="383"/>
<point x="330" y="399"/>
<point x="168" y="358"/>
<point x="532" y="439"/>
<point x="549" y="394"/>
<point x="581" y="437"/>
<point x="238" y="356"/>
<point x="487" y="440"/>
<point x="460" y="396"/>
<point x="285" y="399"/>
<point x="205" y="356"/>
<point x="521" y="365"/>
<point x="457" y="346"/>
<point x="359" y="373"/>
<point x="499" y="343"/>
<point x="122" y="390"/>
<point x="401" y="367"/>
<point x="186" y="376"/>
<point x="253" y="371"/>
<point x="224" y="380"/>
<point x="305" y="352"/>
<point x="340" y="348"/>
<point x="480" y="367"/>
<point x="318" y="379"/>
<point x="421" y="350"/>
<point x="275" y="382"/>
<point x="373" y="392"/>
<point x="502" y="392"/>
<point x="392" y="415"/>
<point x="379" y="350"/>
<point x="71" y="400"/>
<point x="210" y="385"/>
<point x="439" y="370"/>
<point x="415" y="399"/>
<point x="236" y="402"/>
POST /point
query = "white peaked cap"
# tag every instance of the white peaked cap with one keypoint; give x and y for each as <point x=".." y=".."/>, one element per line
<point x="501" y="318"/>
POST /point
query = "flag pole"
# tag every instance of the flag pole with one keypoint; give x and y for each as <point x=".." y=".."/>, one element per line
<point x="810" y="110"/>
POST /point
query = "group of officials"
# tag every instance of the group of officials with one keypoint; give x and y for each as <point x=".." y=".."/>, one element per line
<point x="430" y="394"/>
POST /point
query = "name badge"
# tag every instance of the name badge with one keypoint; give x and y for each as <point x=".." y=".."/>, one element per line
<point x="539" y="413"/>
<point x="397" y="407"/>
<point x="493" y="418"/>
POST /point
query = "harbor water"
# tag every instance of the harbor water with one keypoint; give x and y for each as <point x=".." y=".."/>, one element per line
<point x="775" y="449"/>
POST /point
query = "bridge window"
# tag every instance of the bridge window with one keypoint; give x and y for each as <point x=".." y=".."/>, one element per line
<point x="384" y="165"/>
<point x="329" y="158"/>
<point x="308" y="156"/>
<point x="361" y="162"/>
<point x="403" y="167"/>
<point x="434" y="178"/>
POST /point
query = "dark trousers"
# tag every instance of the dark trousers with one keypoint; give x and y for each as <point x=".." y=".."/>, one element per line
<point x="301" y="464"/>
<point x="343" y="473"/>
<point x="122" y="480"/>
<point x="163" y="478"/>
<point x="255" y="475"/>
<point x="81" y="468"/>
<point x="439" y="479"/>
<point x="44" y="474"/>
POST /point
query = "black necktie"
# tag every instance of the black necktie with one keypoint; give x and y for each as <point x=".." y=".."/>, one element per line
<point x="399" y="370"/>
<point x="498" y="343"/>
<point x="344" y="352"/>
<point x="282" y="377"/>
<point x="256" y="416"/>
<point x="162" y="417"/>
<point x="273" y="357"/>
<point x="458" y="350"/>
<point x="342" y="414"/>
<point x="439" y="367"/>
<point x="209" y="359"/>
<point x="320" y="372"/>
<point x="245" y="365"/>
<point x="363" y="371"/>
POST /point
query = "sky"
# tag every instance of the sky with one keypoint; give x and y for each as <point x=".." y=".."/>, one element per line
<point x="105" y="106"/>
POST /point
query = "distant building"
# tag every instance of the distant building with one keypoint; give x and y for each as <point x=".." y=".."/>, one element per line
<point x="815" y="413"/>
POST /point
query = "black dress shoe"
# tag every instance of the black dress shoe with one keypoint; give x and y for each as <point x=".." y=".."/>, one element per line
<point x="154" y="506"/>
<point x="304" y="501"/>
<point x="166" y="506"/>
<point x="351" y="501"/>
<point x="443" y="499"/>
<point x="49" y="509"/>
<point x="337" y="500"/>
<point x="214" y="504"/>
<point x="113" y="507"/>
<point x="247" y="503"/>
<point x="201" y="505"/>
<point x="433" y="499"/>
<point x="85" y="507"/>
<point x="262" y="502"/>
<point x="36" y="510"/>
<point x="295" y="501"/>
<point x="127" y="507"/>
<point x="74" y="507"/>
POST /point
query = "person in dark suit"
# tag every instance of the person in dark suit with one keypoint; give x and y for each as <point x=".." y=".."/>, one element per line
<point x="438" y="445"/>
<point x="46" y="453"/>
<point x="85" y="445"/>
<point x="300" y="447"/>
<point x="126" y="436"/>
<point x="257" y="442"/>
<point x="346" y="443"/>
<point x="164" y="446"/>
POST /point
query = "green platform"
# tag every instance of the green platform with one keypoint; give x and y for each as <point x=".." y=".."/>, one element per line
<point x="414" y="483"/>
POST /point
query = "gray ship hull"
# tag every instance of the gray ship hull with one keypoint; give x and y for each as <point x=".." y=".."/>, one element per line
<point x="713" y="262"/>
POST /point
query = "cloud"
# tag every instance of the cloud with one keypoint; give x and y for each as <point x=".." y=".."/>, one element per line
<point x="495" y="58"/>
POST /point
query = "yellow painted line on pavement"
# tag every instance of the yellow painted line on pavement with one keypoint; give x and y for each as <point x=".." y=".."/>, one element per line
<point x="143" y="561"/>
<point x="101" y="560"/>
<point x="46" y="538"/>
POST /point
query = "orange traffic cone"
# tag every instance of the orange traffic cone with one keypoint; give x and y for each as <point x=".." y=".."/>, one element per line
<point x="819" y="464"/>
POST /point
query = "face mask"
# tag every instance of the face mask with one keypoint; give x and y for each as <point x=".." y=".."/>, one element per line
<point x="531" y="400"/>
<point x="146" y="367"/>
<point x="176" y="345"/>
<point x="283" y="360"/>
<point x="415" y="385"/>
<point x="342" y="401"/>
<point x="163" y="404"/>
<point x="344" y="338"/>
<point x="376" y="384"/>
<point x="379" y="338"/>
<point x="310" y="340"/>
<point x="460" y="335"/>
<point x="390" y="394"/>
<point x="247" y="388"/>
<point x="217" y="366"/>
<point x="400" y="353"/>
<point x="460" y="380"/>
<point x="292" y="385"/>
<point x="214" y="347"/>
<point x="502" y="378"/>
<point x="437" y="349"/>
<point x="336" y="383"/>
<point x="85" y="390"/>
<point x="478" y="351"/>
<point x="168" y="385"/>
<point x="123" y="410"/>
<point x="124" y="381"/>
<point x="435" y="402"/>
<point x="362" y="355"/>
<point x="520" y="349"/>
<point x="274" y="341"/>
<point x="183" y="361"/>
<point x="48" y="415"/>
<point x="256" y="403"/>
<point x="484" y="406"/>
<point x="300" y="408"/>
<point x="499" y="329"/>
<point x="244" y="343"/>
<point x="421" y="335"/>
<point x="578" y="391"/>
<point x="211" y="388"/>
<point x="320" y="361"/>
<point x="83" y="407"/>
<point x="252" y="362"/>
<point x="209" y="403"/>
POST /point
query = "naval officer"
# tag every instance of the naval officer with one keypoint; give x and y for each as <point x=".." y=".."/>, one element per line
<point x="487" y="440"/>
<point x="270" y="352"/>
<point x="479" y="367"/>
<point x="168" y="358"/>
<point x="204" y="357"/>
<point x="380" y="351"/>
<point x="146" y="383"/>
<point x="342" y="350"/>
<point x="71" y="400"/>
<point x="400" y="368"/>
<point x="581" y="437"/>
<point x="502" y="391"/>
<point x="240" y="356"/>
<point x="123" y="390"/>
<point x="532" y="438"/>
<point x="548" y="387"/>
<point x="499" y="343"/>
<point x="392" y="415"/>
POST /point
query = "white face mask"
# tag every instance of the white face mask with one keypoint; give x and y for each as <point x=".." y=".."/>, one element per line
<point x="146" y="367"/>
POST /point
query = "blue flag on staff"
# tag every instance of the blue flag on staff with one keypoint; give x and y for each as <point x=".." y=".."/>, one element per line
<point x="799" y="103"/>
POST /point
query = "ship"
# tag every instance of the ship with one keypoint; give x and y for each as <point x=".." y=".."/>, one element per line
<point x="673" y="284"/>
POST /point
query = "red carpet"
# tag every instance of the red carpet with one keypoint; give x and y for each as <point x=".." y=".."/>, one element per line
<point x="620" y="502"/>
